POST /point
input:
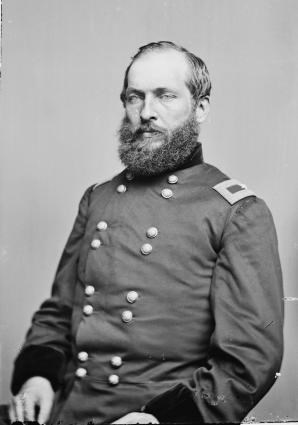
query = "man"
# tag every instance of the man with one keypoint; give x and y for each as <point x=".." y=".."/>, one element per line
<point x="167" y="303"/>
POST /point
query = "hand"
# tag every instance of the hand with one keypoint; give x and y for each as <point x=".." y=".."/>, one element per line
<point x="137" y="418"/>
<point x="37" y="391"/>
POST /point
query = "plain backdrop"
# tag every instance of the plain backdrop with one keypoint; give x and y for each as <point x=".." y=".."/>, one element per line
<point x="62" y="71"/>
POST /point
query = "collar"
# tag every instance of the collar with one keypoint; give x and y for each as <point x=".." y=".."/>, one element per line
<point x="195" y="158"/>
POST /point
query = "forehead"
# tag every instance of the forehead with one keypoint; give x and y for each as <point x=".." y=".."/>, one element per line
<point x="167" y="68"/>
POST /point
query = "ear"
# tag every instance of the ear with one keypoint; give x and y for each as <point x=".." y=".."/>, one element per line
<point x="202" y="109"/>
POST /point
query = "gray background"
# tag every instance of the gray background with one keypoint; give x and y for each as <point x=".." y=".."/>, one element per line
<point x="63" y="64"/>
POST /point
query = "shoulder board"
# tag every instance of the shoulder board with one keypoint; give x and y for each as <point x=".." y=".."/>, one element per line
<point x="233" y="191"/>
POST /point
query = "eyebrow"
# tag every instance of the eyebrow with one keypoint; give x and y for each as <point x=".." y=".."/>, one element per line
<point x="130" y="90"/>
<point x="162" y="90"/>
<point x="158" y="91"/>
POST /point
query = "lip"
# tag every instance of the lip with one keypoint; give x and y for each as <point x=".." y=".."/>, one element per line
<point x="150" y="133"/>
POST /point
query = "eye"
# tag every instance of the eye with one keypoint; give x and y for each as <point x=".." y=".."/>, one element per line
<point x="167" y="97"/>
<point x="133" y="99"/>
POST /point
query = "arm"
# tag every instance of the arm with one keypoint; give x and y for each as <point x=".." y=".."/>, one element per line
<point x="246" y="346"/>
<point x="47" y="344"/>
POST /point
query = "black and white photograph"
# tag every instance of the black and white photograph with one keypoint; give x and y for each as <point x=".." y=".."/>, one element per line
<point x="148" y="206"/>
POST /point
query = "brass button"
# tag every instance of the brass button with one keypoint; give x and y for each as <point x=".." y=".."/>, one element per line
<point x="121" y="188"/>
<point x="146" y="249"/>
<point x="126" y="316"/>
<point x="88" y="310"/>
<point x="83" y="356"/>
<point x="113" y="379"/>
<point x="152" y="232"/>
<point x="102" y="225"/>
<point x="132" y="296"/>
<point x="166" y="193"/>
<point x="172" y="179"/>
<point x="81" y="372"/>
<point x="129" y="176"/>
<point x="89" y="290"/>
<point x="95" y="243"/>
<point x="116" y="361"/>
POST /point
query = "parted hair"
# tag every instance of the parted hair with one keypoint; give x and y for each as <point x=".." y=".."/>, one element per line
<point x="199" y="83"/>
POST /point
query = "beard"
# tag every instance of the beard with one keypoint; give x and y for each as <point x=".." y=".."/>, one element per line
<point x="161" y="152"/>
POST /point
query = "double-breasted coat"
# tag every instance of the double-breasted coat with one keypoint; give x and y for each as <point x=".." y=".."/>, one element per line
<point x="167" y="299"/>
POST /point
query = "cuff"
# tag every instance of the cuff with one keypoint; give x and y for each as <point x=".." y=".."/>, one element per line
<point x="38" y="361"/>
<point x="174" y="406"/>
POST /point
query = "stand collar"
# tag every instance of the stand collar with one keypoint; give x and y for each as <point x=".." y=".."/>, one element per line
<point x="195" y="158"/>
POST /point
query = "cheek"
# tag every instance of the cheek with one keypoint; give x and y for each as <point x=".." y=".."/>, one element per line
<point x="178" y="114"/>
<point x="133" y="116"/>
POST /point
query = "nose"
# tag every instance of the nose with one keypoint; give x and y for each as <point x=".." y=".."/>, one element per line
<point x="148" y="112"/>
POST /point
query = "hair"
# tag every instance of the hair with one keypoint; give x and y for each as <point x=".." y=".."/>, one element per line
<point x="199" y="83"/>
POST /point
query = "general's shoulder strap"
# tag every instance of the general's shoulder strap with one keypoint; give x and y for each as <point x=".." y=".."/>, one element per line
<point x="233" y="191"/>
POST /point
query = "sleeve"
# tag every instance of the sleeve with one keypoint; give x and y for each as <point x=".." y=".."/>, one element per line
<point x="246" y="347"/>
<point x="47" y="345"/>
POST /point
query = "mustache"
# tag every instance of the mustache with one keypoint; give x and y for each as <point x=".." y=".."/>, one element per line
<point x="145" y="126"/>
<point x="148" y="127"/>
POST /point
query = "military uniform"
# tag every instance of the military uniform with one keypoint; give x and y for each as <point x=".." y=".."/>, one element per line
<point x="167" y="299"/>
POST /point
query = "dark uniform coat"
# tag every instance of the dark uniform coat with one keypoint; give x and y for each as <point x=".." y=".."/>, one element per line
<point x="167" y="299"/>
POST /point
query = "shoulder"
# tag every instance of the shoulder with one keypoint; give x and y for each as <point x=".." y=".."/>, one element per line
<point x="99" y="191"/>
<point x="97" y="188"/>
<point x="235" y="198"/>
<point x="92" y="190"/>
<point x="226" y="189"/>
<point x="233" y="190"/>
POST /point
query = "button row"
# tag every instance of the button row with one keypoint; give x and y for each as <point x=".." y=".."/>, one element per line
<point x="101" y="226"/>
<point x="172" y="179"/>
<point x="165" y="193"/>
<point x="126" y="315"/>
<point x="151" y="233"/>
<point x="146" y="249"/>
<point x="81" y="372"/>
<point x="131" y="297"/>
<point x="116" y="361"/>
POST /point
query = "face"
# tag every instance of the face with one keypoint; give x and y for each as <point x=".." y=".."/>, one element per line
<point x="157" y="98"/>
<point x="160" y="130"/>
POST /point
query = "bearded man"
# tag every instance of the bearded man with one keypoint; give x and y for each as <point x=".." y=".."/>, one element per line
<point x="167" y="303"/>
